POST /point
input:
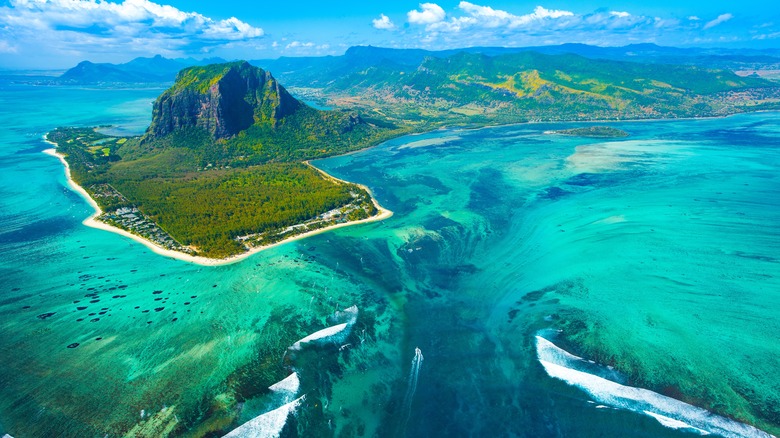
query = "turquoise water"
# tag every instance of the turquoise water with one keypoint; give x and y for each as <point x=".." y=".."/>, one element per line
<point x="657" y="255"/>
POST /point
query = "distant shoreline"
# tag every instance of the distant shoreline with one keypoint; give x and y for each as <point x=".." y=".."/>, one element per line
<point x="92" y="221"/>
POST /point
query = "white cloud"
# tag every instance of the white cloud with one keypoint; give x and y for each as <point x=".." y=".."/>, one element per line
<point x="82" y="14"/>
<point x="383" y="23"/>
<point x="482" y="17"/>
<point x="694" y="18"/>
<point x="721" y="19"/>
<point x="6" y="47"/>
<point x="82" y="28"/>
<point x="430" y="13"/>
<point x="471" y="23"/>
<point x="298" y="44"/>
<point x="488" y="17"/>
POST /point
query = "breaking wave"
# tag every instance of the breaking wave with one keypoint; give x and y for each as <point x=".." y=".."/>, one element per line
<point x="268" y="425"/>
<point x="670" y="412"/>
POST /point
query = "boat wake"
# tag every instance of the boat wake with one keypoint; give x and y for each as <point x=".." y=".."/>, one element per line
<point x="670" y="412"/>
<point x="412" y="388"/>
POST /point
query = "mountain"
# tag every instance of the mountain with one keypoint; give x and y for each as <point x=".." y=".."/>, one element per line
<point x="235" y="114"/>
<point x="156" y="69"/>
<point x="223" y="99"/>
<point x="515" y="87"/>
<point x="320" y="71"/>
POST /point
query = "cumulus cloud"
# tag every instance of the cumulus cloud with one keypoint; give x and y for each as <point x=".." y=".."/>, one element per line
<point x="489" y="17"/>
<point x="92" y="26"/>
<point x="478" y="16"/>
<point x="471" y="22"/>
<point x="383" y="23"/>
<point x="128" y="15"/>
<point x="430" y="13"/>
<point x="296" y="44"/>
<point x="722" y="18"/>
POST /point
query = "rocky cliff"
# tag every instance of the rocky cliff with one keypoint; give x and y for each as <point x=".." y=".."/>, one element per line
<point x="223" y="99"/>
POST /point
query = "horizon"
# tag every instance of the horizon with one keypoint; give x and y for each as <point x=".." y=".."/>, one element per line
<point x="59" y="70"/>
<point x="58" y="34"/>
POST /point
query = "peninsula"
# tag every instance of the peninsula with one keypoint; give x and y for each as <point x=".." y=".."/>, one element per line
<point x="220" y="173"/>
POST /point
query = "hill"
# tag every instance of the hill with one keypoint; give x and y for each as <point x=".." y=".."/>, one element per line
<point x="468" y="88"/>
<point x="156" y="69"/>
<point x="220" y="171"/>
<point x="319" y="71"/>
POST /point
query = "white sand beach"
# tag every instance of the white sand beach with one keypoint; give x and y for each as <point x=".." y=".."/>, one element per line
<point x="205" y="261"/>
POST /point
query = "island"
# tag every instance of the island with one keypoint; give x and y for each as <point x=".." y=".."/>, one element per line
<point x="223" y="170"/>
<point x="591" y="132"/>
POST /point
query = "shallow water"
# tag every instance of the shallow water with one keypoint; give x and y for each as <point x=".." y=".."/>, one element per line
<point x="657" y="255"/>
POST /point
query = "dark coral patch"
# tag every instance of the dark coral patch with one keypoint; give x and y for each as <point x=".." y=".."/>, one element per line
<point x="45" y="315"/>
<point x="73" y="345"/>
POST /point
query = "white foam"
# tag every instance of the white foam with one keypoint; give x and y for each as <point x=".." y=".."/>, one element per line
<point x="268" y="425"/>
<point x="289" y="384"/>
<point x="325" y="333"/>
<point x="562" y="365"/>
<point x="7" y="436"/>
<point x="675" y="424"/>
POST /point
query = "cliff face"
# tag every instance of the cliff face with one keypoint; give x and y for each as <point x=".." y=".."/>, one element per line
<point x="223" y="99"/>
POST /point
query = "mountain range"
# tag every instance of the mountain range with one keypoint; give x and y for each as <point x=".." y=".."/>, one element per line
<point x="140" y="70"/>
<point x="314" y="71"/>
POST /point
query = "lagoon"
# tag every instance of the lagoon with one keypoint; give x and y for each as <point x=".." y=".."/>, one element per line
<point x="657" y="255"/>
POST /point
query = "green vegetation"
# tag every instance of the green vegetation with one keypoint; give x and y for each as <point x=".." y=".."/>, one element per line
<point x="215" y="212"/>
<point x="592" y="132"/>
<point x="220" y="168"/>
<point x="187" y="187"/>
<point x="476" y="89"/>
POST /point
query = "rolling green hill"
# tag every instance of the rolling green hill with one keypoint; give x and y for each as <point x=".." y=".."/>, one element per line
<point x="476" y="88"/>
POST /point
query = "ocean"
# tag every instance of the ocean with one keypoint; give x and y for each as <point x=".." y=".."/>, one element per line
<point x="528" y="284"/>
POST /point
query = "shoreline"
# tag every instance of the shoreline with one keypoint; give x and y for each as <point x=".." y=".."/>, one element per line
<point x="92" y="221"/>
<point x="384" y="213"/>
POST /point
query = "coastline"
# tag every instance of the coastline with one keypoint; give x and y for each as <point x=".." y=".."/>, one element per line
<point x="383" y="212"/>
<point x="92" y="221"/>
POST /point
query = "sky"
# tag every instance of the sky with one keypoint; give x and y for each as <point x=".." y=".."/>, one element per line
<point x="55" y="34"/>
